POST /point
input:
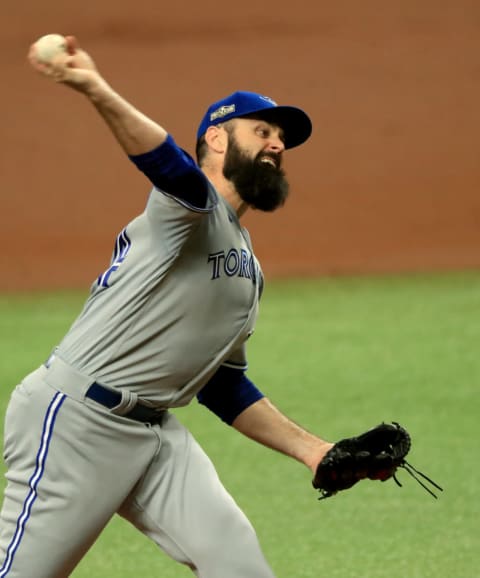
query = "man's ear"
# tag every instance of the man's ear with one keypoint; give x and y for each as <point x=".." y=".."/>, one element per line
<point x="217" y="138"/>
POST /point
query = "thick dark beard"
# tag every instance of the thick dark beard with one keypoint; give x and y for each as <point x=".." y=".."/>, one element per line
<point x="258" y="183"/>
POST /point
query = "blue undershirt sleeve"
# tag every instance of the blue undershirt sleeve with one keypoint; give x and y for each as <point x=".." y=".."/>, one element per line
<point x="172" y="170"/>
<point x="228" y="393"/>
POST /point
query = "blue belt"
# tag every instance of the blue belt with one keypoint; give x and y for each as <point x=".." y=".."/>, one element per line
<point x="110" y="399"/>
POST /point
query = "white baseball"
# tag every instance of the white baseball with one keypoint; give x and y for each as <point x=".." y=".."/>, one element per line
<point x="49" y="46"/>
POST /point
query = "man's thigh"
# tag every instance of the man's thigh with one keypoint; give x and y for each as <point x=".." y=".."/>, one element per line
<point x="69" y="467"/>
<point x="183" y="506"/>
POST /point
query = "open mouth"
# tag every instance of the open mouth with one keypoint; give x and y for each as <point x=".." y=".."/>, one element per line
<point x="269" y="161"/>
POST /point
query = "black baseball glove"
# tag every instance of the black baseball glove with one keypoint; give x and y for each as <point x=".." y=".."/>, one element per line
<point x="375" y="455"/>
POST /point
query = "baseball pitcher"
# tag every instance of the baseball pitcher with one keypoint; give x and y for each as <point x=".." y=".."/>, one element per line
<point x="89" y="433"/>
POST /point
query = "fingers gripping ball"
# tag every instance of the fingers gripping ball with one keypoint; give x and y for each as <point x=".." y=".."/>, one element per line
<point x="49" y="46"/>
<point x="375" y="454"/>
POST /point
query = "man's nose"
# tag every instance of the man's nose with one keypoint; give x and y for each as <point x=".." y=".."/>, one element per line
<point x="275" y="144"/>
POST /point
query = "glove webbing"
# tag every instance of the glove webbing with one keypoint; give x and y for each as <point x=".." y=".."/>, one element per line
<point x="412" y="471"/>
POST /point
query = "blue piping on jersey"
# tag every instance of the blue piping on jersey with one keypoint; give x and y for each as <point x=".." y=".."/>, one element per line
<point x="187" y="205"/>
<point x="41" y="458"/>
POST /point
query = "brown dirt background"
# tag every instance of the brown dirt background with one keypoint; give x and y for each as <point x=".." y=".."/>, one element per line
<point x="388" y="183"/>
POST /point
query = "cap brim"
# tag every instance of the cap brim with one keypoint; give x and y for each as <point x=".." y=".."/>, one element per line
<point x="296" y="125"/>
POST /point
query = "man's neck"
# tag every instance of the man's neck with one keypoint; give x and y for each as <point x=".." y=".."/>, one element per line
<point x="226" y="189"/>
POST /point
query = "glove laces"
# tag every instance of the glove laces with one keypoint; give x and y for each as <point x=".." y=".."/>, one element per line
<point x="415" y="473"/>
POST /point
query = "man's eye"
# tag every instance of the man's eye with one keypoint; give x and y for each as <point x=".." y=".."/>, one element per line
<point x="263" y="132"/>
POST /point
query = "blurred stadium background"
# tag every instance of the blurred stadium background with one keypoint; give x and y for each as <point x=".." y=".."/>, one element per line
<point x="389" y="181"/>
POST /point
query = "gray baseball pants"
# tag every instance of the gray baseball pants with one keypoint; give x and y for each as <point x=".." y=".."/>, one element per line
<point x="72" y="464"/>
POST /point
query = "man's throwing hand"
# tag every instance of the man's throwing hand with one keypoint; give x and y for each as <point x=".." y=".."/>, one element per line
<point x="60" y="58"/>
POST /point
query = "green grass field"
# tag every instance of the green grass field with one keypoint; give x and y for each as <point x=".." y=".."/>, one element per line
<point x="337" y="355"/>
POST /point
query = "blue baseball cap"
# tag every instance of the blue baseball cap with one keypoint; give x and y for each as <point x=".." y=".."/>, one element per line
<point x="296" y="125"/>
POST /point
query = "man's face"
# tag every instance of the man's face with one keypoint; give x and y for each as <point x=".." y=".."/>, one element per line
<point x="253" y="164"/>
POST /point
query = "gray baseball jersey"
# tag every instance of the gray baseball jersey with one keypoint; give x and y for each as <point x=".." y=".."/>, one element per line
<point x="179" y="298"/>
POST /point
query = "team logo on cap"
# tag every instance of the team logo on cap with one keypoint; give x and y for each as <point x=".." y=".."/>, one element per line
<point x="221" y="112"/>
<point x="268" y="99"/>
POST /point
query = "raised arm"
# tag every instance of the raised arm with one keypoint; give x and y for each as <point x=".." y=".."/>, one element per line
<point x="135" y="132"/>
<point x="168" y="167"/>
